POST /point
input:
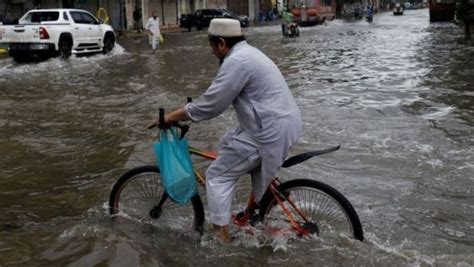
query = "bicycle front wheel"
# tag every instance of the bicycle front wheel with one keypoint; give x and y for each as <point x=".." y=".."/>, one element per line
<point x="324" y="208"/>
<point x="139" y="195"/>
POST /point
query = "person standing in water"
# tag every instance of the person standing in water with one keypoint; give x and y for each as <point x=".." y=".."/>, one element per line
<point x="153" y="28"/>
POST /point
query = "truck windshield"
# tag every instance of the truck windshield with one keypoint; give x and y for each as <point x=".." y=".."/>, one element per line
<point x="37" y="17"/>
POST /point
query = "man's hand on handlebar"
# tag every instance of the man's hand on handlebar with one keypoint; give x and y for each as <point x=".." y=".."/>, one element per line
<point x="156" y="122"/>
<point x="171" y="118"/>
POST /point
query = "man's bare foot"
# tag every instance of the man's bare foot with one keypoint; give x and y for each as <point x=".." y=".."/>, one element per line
<point x="222" y="234"/>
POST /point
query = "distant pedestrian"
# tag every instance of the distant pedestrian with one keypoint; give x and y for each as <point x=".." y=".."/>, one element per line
<point x="270" y="15"/>
<point x="275" y="12"/>
<point x="153" y="28"/>
<point x="137" y="17"/>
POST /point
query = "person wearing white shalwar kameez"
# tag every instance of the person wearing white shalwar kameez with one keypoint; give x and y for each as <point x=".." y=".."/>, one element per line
<point x="153" y="27"/>
<point x="269" y="119"/>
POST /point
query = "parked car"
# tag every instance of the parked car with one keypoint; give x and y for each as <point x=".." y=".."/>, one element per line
<point x="49" y="32"/>
<point x="202" y="18"/>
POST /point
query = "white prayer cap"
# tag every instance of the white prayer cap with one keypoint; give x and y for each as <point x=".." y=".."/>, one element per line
<point x="225" y="28"/>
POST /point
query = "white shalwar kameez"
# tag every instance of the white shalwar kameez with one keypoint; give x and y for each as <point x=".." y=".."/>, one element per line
<point x="269" y="124"/>
<point x="153" y="25"/>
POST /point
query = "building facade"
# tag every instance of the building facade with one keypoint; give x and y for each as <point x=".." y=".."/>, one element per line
<point x="120" y="12"/>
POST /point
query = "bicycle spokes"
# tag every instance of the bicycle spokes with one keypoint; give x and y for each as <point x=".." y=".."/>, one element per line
<point x="311" y="207"/>
<point x="281" y="199"/>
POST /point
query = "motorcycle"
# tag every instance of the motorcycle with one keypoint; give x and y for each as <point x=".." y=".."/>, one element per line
<point x="291" y="30"/>
<point x="370" y="15"/>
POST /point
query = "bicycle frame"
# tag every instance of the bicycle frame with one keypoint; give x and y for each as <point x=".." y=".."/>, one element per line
<point x="212" y="155"/>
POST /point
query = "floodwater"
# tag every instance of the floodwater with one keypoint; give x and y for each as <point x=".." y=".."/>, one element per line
<point x="397" y="94"/>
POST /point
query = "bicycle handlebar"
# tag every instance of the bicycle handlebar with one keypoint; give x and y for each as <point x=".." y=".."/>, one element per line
<point x="163" y="126"/>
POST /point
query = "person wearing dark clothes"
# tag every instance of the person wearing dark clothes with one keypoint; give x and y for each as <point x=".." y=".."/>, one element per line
<point x="137" y="16"/>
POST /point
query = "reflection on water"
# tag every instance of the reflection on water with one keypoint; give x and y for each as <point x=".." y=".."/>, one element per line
<point x="395" y="93"/>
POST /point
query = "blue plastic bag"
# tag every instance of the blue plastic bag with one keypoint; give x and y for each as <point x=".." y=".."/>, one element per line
<point x="174" y="160"/>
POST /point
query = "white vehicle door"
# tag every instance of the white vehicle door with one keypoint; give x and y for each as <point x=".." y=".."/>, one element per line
<point x="93" y="26"/>
<point x="80" y="29"/>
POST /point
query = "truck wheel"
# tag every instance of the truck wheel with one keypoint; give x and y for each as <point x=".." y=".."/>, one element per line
<point x="18" y="57"/>
<point x="64" y="49"/>
<point x="109" y="43"/>
<point x="21" y="59"/>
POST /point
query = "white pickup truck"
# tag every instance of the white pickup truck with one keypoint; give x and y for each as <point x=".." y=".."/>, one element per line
<point x="49" y="32"/>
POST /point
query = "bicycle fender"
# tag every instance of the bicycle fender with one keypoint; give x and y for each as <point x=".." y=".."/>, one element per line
<point x="307" y="155"/>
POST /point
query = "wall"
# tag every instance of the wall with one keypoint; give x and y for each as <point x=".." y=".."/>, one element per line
<point x="253" y="10"/>
<point x="10" y="11"/>
<point x="169" y="16"/>
<point x="238" y="7"/>
<point x="167" y="11"/>
<point x="129" y="8"/>
<point x="185" y="7"/>
<point x="217" y="4"/>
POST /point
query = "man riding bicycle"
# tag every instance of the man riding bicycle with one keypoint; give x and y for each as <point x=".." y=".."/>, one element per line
<point x="269" y="120"/>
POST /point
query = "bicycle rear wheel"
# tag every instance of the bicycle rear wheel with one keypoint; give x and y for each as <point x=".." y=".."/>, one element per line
<point x="324" y="207"/>
<point x="139" y="195"/>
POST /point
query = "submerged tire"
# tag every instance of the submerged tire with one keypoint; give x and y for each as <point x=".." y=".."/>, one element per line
<point x="137" y="193"/>
<point x="326" y="209"/>
<point x="21" y="58"/>
<point x="109" y="43"/>
<point x="64" y="48"/>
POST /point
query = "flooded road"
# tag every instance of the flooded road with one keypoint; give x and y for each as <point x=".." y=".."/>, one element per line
<point x="397" y="94"/>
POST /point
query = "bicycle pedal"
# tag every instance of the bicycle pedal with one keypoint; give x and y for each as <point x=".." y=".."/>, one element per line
<point x="241" y="218"/>
<point x="244" y="217"/>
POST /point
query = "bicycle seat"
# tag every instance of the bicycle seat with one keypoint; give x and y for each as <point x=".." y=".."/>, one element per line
<point x="307" y="155"/>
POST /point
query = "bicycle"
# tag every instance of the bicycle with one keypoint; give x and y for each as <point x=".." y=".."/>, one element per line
<point x="309" y="206"/>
